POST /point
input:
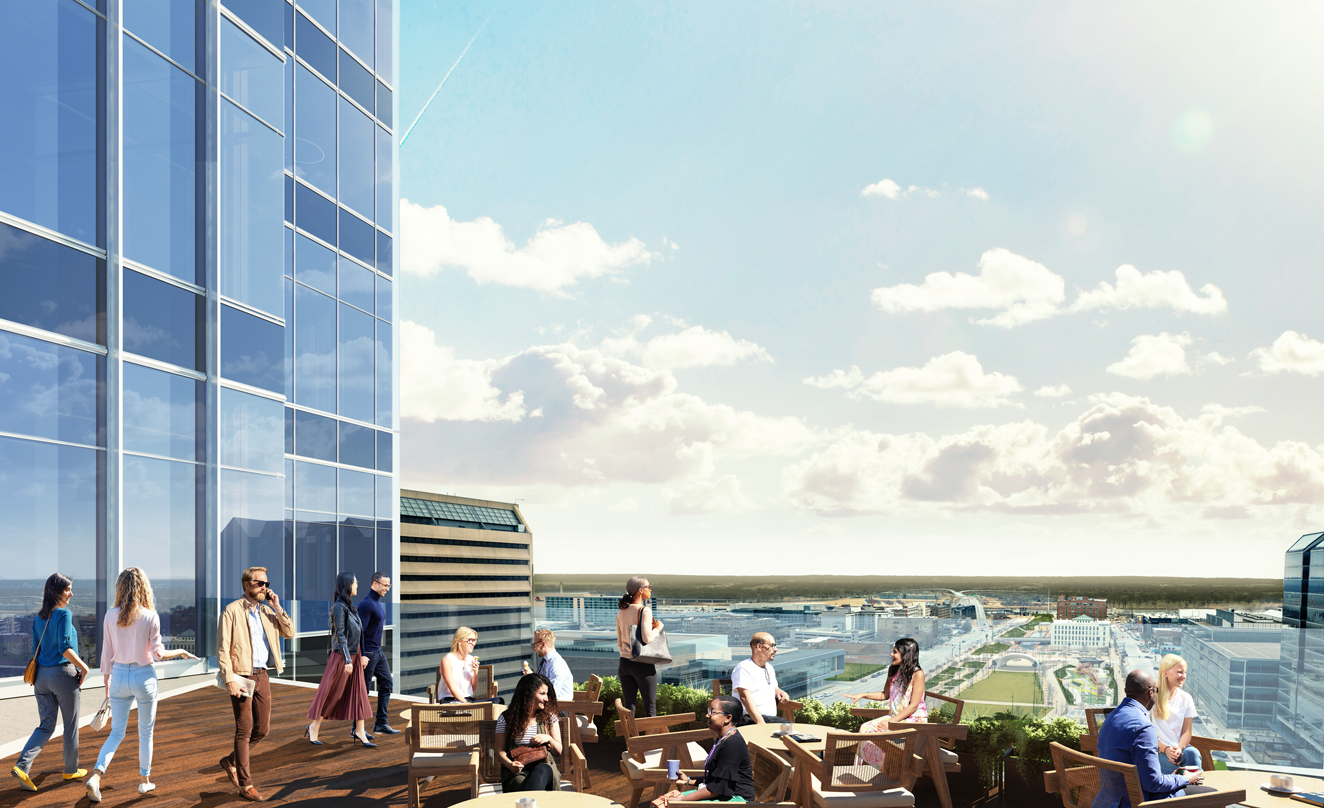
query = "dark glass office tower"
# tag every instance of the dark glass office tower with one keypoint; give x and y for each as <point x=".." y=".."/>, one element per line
<point x="197" y="328"/>
<point x="1300" y="710"/>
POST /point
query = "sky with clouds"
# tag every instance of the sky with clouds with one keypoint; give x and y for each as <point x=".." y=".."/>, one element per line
<point x="869" y="288"/>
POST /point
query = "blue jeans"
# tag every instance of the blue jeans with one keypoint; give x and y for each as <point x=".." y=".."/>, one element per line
<point x="128" y="682"/>
<point x="1190" y="756"/>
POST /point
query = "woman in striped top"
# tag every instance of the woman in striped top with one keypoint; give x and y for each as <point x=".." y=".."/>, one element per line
<point x="530" y="720"/>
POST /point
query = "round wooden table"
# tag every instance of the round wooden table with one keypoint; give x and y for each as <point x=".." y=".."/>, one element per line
<point x="761" y="735"/>
<point x="545" y="799"/>
<point x="1257" y="797"/>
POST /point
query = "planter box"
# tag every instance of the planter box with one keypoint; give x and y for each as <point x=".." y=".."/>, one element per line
<point x="1020" y="792"/>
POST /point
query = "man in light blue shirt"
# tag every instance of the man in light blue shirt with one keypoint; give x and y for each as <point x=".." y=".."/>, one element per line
<point x="262" y="655"/>
<point x="553" y="665"/>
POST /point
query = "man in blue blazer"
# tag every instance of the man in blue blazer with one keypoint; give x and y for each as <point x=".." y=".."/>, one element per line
<point x="1128" y="736"/>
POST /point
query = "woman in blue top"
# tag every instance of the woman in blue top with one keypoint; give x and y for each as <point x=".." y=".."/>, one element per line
<point x="60" y="672"/>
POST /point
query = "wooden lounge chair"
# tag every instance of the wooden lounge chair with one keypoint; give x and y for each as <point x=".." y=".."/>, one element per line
<point x="939" y="738"/>
<point x="487" y="769"/>
<point x="1095" y="717"/>
<point x="838" y="781"/>
<point x="484" y="685"/>
<point x="646" y="756"/>
<point x="1079" y="778"/>
<point x="443" y="739"/>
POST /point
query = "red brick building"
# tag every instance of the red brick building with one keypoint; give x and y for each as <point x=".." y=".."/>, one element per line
<point x="1068" y="608"/>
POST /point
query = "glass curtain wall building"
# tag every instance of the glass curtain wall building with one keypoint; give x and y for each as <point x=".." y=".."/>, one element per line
<point x="197" y="328"/>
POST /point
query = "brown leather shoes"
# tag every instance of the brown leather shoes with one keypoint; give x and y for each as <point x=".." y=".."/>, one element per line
<point x="230" y="770"/>
<point x="250" y="793"/>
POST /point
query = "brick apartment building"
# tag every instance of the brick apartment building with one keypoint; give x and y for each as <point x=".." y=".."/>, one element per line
<point x="1068" y="608"/>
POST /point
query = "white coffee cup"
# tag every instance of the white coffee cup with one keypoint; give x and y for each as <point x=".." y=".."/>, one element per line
<point x="526" y="802"/>
<point x="1282" y="781"/>
<point x="787" y="728"/>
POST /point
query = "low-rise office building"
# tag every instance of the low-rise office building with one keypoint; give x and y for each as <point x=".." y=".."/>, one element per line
<point x="582" y="609"/>
<point x="463" y="562"/>
<point x="1080" y="632"/>
<point x="1068" y="608"/>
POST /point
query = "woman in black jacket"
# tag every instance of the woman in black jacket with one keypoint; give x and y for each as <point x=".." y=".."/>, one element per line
<point x="727" y="773"/>
<point x="342" y="695"/>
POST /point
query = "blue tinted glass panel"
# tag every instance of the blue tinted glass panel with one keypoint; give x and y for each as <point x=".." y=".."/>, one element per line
<point x="357" y="494"/>
<point x="385" y="555"/>
<point x="289" y="485"/>
<point x="289" y="340"/>
<point x="384" y="499"/>
<point x="162" y="413"/>
<point x="356" y="81"/>
<point x="50" y="286"/>
<point x="315" y="122"/>
<point x="316" y="214"/>
<point x="252" y="509"/>
<point x="289" y="27"/>
<point x="356" y="29"/>
<point x="315" y="265"/>
<point x="49" y="391"/>
<point x="161" y="510"/>
<point x="356" y="284"/>
<point x="356" y="236"/>
<point x="251" y="74"/>
<point x="315" y="48"/>
<point x="384" y="387"/>
<point x="314" y="436"/>
<point x="161" y="321"/>
<point x="170" y="26"/>
<point x="357" y="445"/>
<point x="51" y="94"/>
<point x="289" y="441"/>
<point x="315" y="579"/>
<point x="252" y="350"/>
<point x="385" y="194"/>
<point x="314" y="487"/>
<point x="324" y="11"/>
<point x="385" y="105"/>
<point x="289" y="196"/>
<point x="356" y="369"/>
<point x="252" y="210"/>
<point x="251" y="432"/>
<point x="384" y="441"/>
<point x="314" y="349"/>
<point x="263" y="16"/>
<point x="358" y="553"/>
<point x="357" y="174"/>
<point x="384" y="262"/>
<point x="384" y="299"/>
<point x="289" y="255"/>
<point x="385" y="48"/>
<point x="52" y="522"/>
<point x="161" y="156"/>
<point x="288" y="128"/>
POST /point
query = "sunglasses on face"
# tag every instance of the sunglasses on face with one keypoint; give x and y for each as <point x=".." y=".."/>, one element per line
<point x="258" y="584"/>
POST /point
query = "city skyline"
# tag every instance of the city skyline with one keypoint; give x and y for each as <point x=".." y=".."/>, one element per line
<point x="1027" y="285"/>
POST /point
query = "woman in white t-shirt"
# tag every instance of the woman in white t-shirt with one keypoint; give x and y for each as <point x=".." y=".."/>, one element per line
<point x="459" y="668"/>
<point x="1172" y="714"/>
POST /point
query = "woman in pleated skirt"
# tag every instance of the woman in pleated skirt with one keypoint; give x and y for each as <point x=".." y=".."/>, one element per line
<point x="342" y="695"/>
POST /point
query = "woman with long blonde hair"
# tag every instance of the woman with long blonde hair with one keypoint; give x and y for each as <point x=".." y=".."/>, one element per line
<point x="131" y="642"/>
<point x="458" y="670"/>
<point x="1173" y="713"/>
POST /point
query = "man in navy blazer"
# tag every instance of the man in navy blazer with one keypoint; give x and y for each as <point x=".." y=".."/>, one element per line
<point x="1128" y="736"/>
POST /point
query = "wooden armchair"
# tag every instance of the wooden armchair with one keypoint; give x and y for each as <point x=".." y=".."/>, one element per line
<point x="786" y="709"/>
<point x="487" y="769"/>
<point x="939" y="737"/>
<point x="645" y="758"/>
<point x="842" y="780"/>
<point x="721" y="687"/>
<point x="628" y="726"/>
<point x="444" y="739"/>
<point x="771" y="775"/>
<point x="582" y="727"/>
<point x="593" y="691"/>
<point x="1080" y="778"/>
<point x="484" y="685"/>
<point x="1094" y="720"/>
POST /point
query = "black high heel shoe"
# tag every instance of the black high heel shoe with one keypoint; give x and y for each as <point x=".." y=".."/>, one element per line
<point x="368" y="744"/>
<point x="366" y="734"/>
<point x="307" y="733"/>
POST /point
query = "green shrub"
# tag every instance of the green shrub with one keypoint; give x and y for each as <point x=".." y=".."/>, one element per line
<point x="1026" y="738"/>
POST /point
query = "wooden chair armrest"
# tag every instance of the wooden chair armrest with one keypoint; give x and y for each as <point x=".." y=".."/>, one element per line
<point x="1053" y="783"/>
<point x="432" y="693"/>
<point x="1208" y="746"/>
<point x="787" y="709"/>
<point x="870" y="713"/>
<point x="805" y="761"/>
<point x="957" y="732"/>
<point x="656" y="723"/>
<point x="578" y="766"/>
<point x="1089" y="744"/>
<point x="660" y="775"/>
<point x="664" y="740"/>
<point x="1050" y="782"/>
<point x="1215" y="799"/>
<point x="582" y="707"/>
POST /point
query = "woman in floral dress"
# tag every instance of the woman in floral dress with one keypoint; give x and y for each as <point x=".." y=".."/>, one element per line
<point x="904" y="694"/>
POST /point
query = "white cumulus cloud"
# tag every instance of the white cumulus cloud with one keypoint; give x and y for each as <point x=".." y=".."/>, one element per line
<point x="1152" y="290"/>
<point x="977" y="193"/>
<point x="720" y="496"/>
<point x="1053" y="392"/>
<point x="435" y="385"/>
<point x="886" y="188"/>
<point x="697" y="346"/>
<point x="1154" y="355"/>
<point x="1291" y="353"/>
<point x="955" y="379"/>
<point x="557" y="256"/>
<point x="1023" y="289"/>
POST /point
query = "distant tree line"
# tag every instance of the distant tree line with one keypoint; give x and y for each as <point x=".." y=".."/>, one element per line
<point x="1121" y="592"/>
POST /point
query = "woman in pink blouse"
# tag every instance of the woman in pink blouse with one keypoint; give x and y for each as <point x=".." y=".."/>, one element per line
<point x="131" y="642"/>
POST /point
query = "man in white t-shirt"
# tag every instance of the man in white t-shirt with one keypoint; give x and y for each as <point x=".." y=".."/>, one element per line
<point x="754" y="681"/>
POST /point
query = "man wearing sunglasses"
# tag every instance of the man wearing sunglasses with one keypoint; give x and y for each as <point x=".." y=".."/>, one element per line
<point x="246" y="646"/>
<point x="754" y="681"/>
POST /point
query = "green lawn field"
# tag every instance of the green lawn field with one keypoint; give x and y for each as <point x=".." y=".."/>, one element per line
<point x="1021" y="688"/>
<point x="974" y="709"/>
<point x="856" y="670"/>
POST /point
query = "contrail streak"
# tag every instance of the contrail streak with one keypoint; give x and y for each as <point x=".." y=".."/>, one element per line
<point x="443" y="79"/>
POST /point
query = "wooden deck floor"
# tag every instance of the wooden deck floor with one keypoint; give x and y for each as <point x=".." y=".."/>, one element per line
<point x="194" y="730"/>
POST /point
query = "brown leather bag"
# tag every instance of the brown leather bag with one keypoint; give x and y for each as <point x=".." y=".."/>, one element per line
<point x="30" y="672"/>
<point x="528" y="755"/>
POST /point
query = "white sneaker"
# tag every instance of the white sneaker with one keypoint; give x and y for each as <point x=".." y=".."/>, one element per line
<point x="94" y="789"/>
<point x="143" y="788"/>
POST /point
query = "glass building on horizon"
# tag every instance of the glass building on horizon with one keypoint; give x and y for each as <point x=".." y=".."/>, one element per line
<point x="197" y="310"/>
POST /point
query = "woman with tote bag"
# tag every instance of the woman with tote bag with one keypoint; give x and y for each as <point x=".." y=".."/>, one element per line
<point x="636" y="611"/>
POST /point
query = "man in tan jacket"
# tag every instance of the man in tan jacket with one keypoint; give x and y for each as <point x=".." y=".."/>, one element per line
<point x="246" y="646"/>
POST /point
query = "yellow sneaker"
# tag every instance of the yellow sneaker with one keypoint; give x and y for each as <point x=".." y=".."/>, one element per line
<point x="76" y="775"/>
<point x="24" y="779"/>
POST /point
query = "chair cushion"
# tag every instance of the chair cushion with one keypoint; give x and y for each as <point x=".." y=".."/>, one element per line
<point x="891" y="798"/>
<point x="587" y="729"/>
<point x="697" y="753"/>
<point x="436" y="761"/>
<point x="652" y="760"/>
<point x="950" y="759"/>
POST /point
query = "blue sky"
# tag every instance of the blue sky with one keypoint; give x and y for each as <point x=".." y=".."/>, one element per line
<point x="868" y="285"/>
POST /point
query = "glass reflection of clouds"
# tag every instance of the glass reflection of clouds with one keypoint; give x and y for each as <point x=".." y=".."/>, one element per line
<point x="355" y="355"/>
<point x="160" y="412"/>
<point x="49" y="391"/>
<point x="252" y="431"/>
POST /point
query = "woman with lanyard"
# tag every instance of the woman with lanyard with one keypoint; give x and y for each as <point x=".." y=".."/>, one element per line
<point x="727" y="773"/>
